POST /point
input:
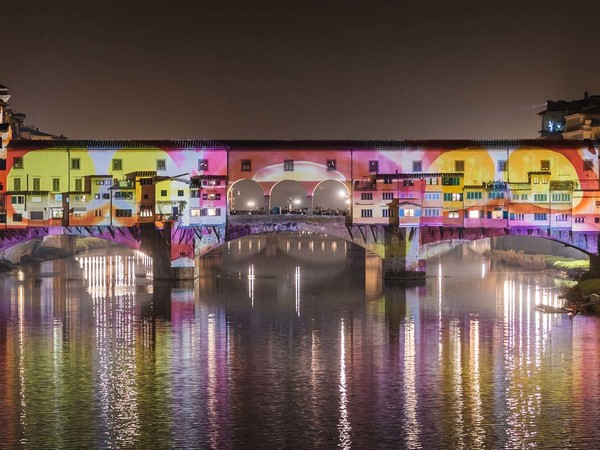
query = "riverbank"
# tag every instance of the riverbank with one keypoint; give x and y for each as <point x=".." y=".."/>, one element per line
<point x="581" y="295"/>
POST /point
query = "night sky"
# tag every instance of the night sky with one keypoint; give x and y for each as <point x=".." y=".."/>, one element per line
<point x="296" y="70"/>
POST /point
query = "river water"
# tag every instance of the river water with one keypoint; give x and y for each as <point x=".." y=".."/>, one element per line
<point x="292" y="342"/>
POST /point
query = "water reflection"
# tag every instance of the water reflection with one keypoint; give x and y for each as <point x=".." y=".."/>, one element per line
<point x="292" y="341"/>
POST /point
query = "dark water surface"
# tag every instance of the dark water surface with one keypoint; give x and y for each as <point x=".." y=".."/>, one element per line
<point x="292" y="343"/>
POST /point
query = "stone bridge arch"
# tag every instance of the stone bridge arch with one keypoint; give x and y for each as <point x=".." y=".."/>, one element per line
<point x="30" y="243"/>
<point x="289" y="196"/>
<point x="246" y="196"/>
<point x="331" y="197"/>
<point x="432" y="237"/>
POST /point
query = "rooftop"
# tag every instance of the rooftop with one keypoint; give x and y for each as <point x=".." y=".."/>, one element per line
<point x="294" y="144"/>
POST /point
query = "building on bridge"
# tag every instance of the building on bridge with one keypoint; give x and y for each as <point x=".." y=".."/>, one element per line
<point x="445" y="189"/>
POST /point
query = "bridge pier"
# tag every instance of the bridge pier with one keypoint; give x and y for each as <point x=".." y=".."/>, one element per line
<point x="170" y="260"/>
<point x="594" y="271"/>
<point x="401" y="260"/>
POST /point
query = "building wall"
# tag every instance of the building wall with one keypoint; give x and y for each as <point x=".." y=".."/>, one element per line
<point x="510" y="183"/>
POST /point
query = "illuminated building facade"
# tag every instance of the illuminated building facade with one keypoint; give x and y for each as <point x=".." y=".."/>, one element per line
<point x="574" y="119"/>
<point x="408" y="183"/>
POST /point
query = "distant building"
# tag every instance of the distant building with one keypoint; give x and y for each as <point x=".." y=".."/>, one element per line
<point x="13" y="126"/>
<point x="575" y="119"/>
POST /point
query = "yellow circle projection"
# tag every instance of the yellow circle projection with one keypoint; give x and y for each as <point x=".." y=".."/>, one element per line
<point x="478" y="166"/>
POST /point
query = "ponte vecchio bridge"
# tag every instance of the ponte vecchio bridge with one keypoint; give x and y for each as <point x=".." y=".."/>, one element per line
<point x="398" y="199"/>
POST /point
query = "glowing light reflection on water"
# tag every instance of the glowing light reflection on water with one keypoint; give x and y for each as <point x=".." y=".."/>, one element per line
<point x="278" y="345"/>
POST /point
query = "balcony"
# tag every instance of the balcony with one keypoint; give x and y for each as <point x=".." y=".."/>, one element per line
<point x="365" y="186"/>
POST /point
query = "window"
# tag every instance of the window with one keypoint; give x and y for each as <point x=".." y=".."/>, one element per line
<point x="459" y="166"/>
<point x="453" y="197"/>
<point x="246" y="165"/>
<point x="17" y="217"/>
<point x="579" y="219"/>
<point x="502" y="165"/>
<point x="417" y="166"/>
<point x="475" y="214"/>
<point x="408" y="212"/>
<point x="75" y="164"/>
<point x="117" y="164"/>
<point x="195" y="193"/>
<point x="474" y="195"/>
<point x="145" y="181"/>
<point x="453" y="215"/>
<point x="373" y="166"/>
<point x="55" y="184"/>
<point x="545" y="165"/>
<point x="540" y="197"/>
<point x="496" y="195"/>
<point x="432" y="181"/>
<point x="146" y="211"/>
<point x="539" y="216"/>
<point x="588" y="164"/>
<point x="544" y="180"/>
<point x="17" y="184"/>
<point x="288" y="165"/>
<point x="388" y="196"/>
<point x="105" y="196"/>
<point x="161" y="164"/>
<point x="524" y="196"/>
<point x="3" y="167"/>
<point x="195" y="212"/>
<point x="331" y="164"/>
<point x="432" y="196"/>
<point x="536" y="180"/>
<point x="433" y="212"/>
<point x="211" y="183"/>
<point x="561" y="217"/>
<point x="18" y="163"/>
<point x="36" y="215"/>
<point x="35" y="184"/>
<point x="212" y="196"/>
<point x="366" y="196"/>
<point x="98" y="213"/>
<point x="123" y="195"/>
<point x="97" y="196"/>
<point x="17" y="199"/>
<point x="180" y="193"/>
<point x="517" y="216"/>
<point x="203" y="164"/>
<point x="123" y="213"/>
<point x="451" y="181"/>
<point x="387" y="213"/>
<point x="561" y="197"/>
<point x="211" y="212"/>
<point x="366" y="213"/>
<point x="78" y="184"/>
<point x="497" y="213"/>
<point x="163" y="193"/>
<point x="408" y="183"/>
